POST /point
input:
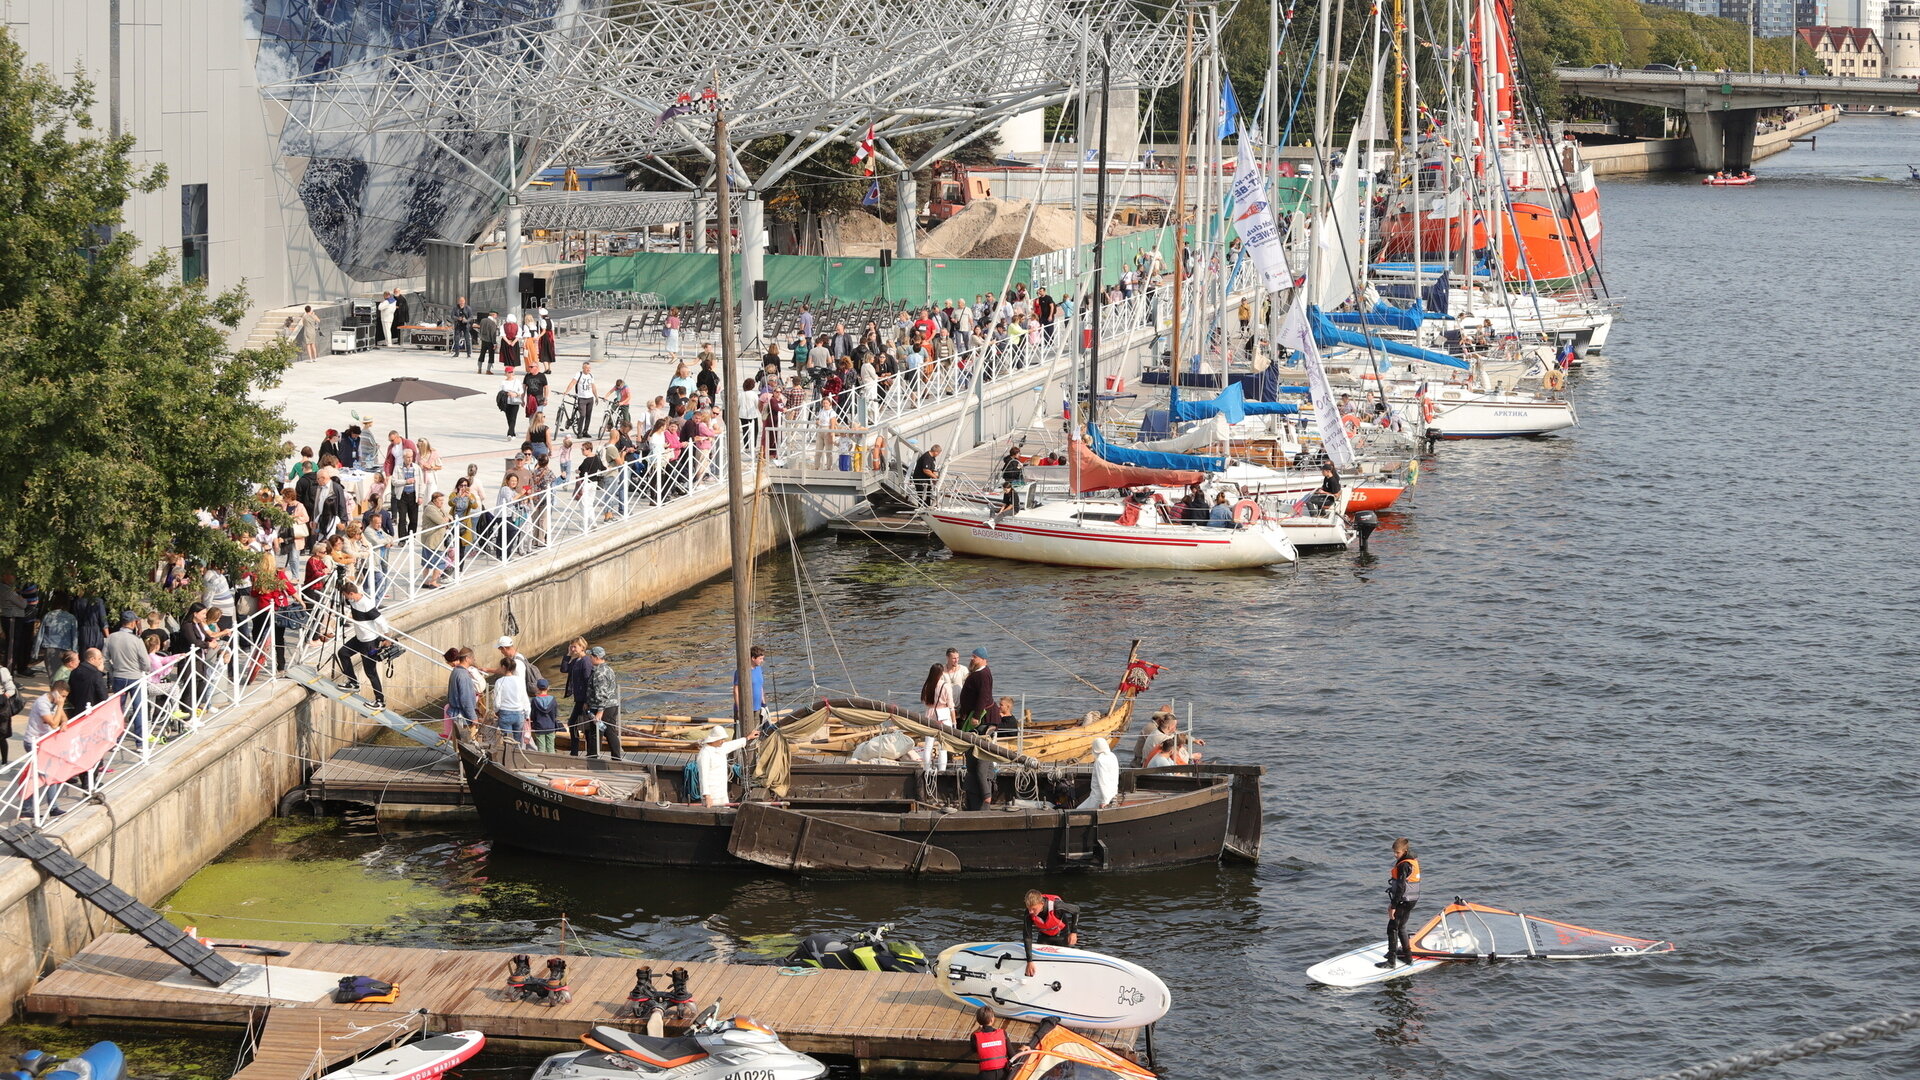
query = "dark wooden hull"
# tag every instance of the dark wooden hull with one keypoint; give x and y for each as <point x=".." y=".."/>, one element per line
<point x="1189" y="823"/>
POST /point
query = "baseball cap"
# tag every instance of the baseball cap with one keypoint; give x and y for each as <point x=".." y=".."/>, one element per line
<point x="504" y="643"/>
<point x="597" y="651"/>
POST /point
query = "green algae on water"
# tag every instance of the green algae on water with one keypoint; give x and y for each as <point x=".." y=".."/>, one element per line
<point x="302" y="900"/>
<point x="152" y="1053"/>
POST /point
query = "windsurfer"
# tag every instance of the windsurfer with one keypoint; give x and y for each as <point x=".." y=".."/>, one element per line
<point x="1050" y="919"/>
<point x="1403" y="891"/>
<point x="990" y="1044"/>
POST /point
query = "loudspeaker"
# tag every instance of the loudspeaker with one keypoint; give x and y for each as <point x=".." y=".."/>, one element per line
<point x="886" y="256"/>
<point x="532" y="285"/>
<point x="760" y="289"/>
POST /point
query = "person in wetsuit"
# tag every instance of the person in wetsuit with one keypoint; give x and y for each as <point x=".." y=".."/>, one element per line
<point x="1403" y="891"/>
<point x="1050" y="919"/>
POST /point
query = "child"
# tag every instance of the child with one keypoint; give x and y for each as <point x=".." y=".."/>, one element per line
<point x="545" y="719"/>
<point x="990" y="1045"/>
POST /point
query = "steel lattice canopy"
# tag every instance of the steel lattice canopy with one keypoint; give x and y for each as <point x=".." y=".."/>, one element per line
<point x="594" y="86"/>
<point x="603" y="210"/>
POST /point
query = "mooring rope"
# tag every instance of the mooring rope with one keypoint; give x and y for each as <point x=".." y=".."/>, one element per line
<point x="1838" y="1039"/>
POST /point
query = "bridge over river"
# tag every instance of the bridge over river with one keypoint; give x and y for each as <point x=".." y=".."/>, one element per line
<point x="1722" y="107"/>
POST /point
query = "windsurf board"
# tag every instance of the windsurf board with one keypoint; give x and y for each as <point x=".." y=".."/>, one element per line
<point x="1084" y="989"/>
<point x="1358" y="968"/>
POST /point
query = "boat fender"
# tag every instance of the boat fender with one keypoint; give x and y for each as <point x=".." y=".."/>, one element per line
<point x="1427" y="410"/>
<point x="1252" y="513"/>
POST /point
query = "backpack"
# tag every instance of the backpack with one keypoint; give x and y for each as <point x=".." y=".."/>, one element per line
<point x="354" y="988"/>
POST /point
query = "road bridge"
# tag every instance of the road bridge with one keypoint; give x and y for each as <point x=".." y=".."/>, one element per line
<point x="1722" y="108"/>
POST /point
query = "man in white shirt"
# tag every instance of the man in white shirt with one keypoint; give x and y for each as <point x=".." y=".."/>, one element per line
<point x="367" y="633"/>
<point x="583" y="396"/>
<point x="387" y="308"/>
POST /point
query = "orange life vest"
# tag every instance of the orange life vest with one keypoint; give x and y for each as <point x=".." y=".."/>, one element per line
<point x="1411" y="881"/>
<point x="1048" y="921"/>
<point x="991" y="1048"/>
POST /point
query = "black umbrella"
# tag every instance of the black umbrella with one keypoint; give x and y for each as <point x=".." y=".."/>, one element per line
<point x="404" y="391"/>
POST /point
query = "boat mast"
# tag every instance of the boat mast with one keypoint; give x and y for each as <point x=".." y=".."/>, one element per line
<point x="734" y="428"/>
<point x="1410" y="77"/>
<point x="1180" y="210"/>
<point x="1100" y="223"/>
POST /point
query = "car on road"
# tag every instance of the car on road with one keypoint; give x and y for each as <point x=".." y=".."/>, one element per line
<point x="1660" y="67"/>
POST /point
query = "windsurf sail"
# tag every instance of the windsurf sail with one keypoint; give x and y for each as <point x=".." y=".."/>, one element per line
<point x="1090" y="473"/>
<point x="1060" y="1053"/>
<point x="1464" y="931"/>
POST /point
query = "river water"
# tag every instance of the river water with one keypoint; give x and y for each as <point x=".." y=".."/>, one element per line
<point x="1653" y="675"/>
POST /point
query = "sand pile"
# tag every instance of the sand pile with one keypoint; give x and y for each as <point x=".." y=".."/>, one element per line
<point x="857" y="233"/>
<point x="991" y="229"/>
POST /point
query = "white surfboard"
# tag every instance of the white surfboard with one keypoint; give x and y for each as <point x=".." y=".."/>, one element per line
<point x="1358" y="968"/>
<point x="1084" y="989"/>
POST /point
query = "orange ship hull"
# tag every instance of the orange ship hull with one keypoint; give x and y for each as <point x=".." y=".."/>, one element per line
<point x="1538" y="244"/>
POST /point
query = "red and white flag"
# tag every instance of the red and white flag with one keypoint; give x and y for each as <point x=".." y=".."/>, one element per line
<point x="864" y="155"/>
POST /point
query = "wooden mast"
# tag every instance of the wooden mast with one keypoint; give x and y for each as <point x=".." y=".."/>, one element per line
<point x="733" y="425"/>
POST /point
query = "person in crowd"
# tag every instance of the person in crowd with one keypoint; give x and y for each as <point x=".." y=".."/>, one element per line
<point x="87" y="684"/>
<point x="462" y="318"/>
<point x="1106" y="778"/>
<point x="712" y="764"/>
<point x="368" y="634"/>
<point x="1321" y="502"/>
<point x="603" y="705"/>
<point x="273" y="590"/>
<point x="1049" y="921"/>
<point x="926" y="473"/>
<point x="756" y="657"/>
<point x="489" y="343"/>
<point x="584" y="396"/>
<point x="978" y="709"/>
<point x="1221" y="514"/>
<point x="462" y="709"/>
<point x="544" y="721"/>
<point x="578" y="669"/>
<point x="512" y="693"/>
<point x="435" y="540"/>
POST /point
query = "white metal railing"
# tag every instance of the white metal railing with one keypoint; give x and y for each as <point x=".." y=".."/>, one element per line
<point x="184" y="696"/>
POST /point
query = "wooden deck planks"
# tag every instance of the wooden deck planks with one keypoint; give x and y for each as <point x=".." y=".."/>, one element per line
<point x="857" y="1014"/>
<point x="296" y="1042"/>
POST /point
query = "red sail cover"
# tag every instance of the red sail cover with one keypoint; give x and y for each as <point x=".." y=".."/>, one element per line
<point x="79" y="746"/>
<point x="1093" y="473"/>
<point x="1467" y="931"/>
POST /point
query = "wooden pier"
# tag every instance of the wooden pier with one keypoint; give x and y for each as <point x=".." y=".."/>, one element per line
<point x="895" y="1022"/>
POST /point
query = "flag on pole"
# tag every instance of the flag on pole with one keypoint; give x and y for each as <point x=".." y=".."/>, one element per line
<point x="872" y="197"/>
<point x="1297" y="335"/>
<point x="864" y="155"/>
<point x="1253" y="220"/>
<point x="1229" y="107"/>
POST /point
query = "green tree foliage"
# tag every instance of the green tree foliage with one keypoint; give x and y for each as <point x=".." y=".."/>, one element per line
<point x="125" y="412"/>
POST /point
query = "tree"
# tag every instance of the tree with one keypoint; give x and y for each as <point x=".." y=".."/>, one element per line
<point x="126" y="415"/>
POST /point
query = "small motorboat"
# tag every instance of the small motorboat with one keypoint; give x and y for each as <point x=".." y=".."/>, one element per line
<point x="712" y="1049"/>
<point x="101" y="1061"/>
<point x="1729" y="179"/>
<point x="421" y="1060"/>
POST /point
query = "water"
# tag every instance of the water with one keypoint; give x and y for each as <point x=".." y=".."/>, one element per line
<point x="1652" y="675"/>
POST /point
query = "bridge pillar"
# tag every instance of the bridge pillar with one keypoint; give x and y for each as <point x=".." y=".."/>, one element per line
<point x="1722" y="138"/>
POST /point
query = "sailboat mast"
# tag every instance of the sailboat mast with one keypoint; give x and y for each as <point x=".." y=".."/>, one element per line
<point x="1100" y="223"/>
<point x="1180" y="210"/>
<point x="1411" y="78"/>
<point x="734" y="427"/>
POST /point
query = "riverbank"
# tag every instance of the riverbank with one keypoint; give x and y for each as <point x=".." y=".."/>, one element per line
<point x="1677" y="155"/>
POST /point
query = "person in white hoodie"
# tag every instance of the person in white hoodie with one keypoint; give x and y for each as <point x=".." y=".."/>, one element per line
<point x="1106" y="777"/>
<point x="712" y="762"/>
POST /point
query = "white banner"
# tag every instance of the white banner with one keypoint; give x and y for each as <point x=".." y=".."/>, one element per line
<point x="1253" y="219"/>
<point x="1296" y="334"/>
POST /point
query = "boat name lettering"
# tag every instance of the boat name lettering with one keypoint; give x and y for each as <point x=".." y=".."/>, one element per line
<point x="998" y="534"/>
<point x="1508" y="412"/>
<point x="540" y="792"/>
<point x="538" y="810"/>
<point x="751" y="1074"/>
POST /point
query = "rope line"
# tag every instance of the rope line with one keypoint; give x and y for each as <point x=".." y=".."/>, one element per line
<point x="1837" y="1039"/>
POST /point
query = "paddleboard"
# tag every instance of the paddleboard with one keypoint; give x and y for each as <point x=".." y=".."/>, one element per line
<point x="415" y="1061"/>
<point x="1357" y="968"/>
<point x="1085" y="989"/>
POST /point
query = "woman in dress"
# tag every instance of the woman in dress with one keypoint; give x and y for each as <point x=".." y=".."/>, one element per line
<point x="671" y="329"/>
<point x="428" y="461"/>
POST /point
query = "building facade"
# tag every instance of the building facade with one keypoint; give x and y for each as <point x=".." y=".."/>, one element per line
<point x="1852" y="51"/>
<point x="249" y="200"/>
<point x="1901" y="37"/>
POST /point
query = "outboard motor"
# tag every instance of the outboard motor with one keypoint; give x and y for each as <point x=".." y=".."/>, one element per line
<point x="1364" y="523"/>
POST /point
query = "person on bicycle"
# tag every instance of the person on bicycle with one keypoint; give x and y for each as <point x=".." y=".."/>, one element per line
<point x="619" y="405"/>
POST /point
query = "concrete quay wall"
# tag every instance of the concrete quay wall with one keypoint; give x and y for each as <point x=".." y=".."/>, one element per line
<point x="1676" y="155"/>
<point x="157" y="828"/>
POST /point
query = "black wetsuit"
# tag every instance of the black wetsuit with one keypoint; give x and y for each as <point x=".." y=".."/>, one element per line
<point x="1069" y="916"/>
<point x="1402" y="894"/>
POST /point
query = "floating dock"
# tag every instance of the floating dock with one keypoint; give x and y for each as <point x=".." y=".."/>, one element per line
<point x="883" y="1021"/>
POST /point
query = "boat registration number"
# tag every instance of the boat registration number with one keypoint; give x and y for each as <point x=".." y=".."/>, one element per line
<point x="751" y="1074"/>
<point x="999" y="534"/>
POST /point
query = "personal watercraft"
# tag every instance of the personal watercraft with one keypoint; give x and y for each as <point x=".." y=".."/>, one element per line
<point x="101" y="1061"/>
<point x="712" y="1049"/>
<point x="867" y="950"/>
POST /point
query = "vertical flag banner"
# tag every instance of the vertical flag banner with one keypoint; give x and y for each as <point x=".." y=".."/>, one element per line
<point x="1229" y="107"/>
<point x="1296" y="334"/>
<point x="1253" y="220"/>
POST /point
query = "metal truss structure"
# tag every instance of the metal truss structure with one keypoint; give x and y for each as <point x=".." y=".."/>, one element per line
<point x="601" y="211"/>
<point x="629" y="80"/>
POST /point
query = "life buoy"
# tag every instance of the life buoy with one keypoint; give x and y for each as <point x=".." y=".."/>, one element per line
<point x="1427" y="410"/>
<point x="577" y="785"/>
<point x="1352" y="422"/>
<point x="1254" y="513"/>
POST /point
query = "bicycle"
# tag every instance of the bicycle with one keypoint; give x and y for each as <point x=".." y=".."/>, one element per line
<point x="615" y="416"/>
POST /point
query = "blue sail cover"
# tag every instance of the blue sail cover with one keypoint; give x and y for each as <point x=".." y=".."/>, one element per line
<point x="1150" y="459"/>
<point x="1325" y="333"/>
<point x="1231" y="405"/>
<point x="1407" y="318"/>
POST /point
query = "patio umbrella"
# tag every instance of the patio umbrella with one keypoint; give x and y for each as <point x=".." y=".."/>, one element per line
<point x="404" y="391"/>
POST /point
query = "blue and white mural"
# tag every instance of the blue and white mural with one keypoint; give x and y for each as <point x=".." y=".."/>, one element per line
<point x="373" y="200"/>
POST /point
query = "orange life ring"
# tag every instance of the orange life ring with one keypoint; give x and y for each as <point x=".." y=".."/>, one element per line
<point x="1254" y="513"/>
<point x="1427" y="410"/>
<point x="1352" y="422"/>
<point x="576" y="785"/>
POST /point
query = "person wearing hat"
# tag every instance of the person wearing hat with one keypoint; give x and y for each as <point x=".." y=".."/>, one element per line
<point x="545" y="719"/>
<point x="977" y="707"/>
<point x="512" y="693"/>
<point x="603" y="704"/>
<point x="711" y="763"/>
<point x="1106" y="777"/>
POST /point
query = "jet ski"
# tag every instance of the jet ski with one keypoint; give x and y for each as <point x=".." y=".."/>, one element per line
<point x="868" y="950"/>
<point x="101" y="1061"/>
<point x="712" y="1049"/>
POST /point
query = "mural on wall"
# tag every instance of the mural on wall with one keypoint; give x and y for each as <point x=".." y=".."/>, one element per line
<point x="373" y="201"/>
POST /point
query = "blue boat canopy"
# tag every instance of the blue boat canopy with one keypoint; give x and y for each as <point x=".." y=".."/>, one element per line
<point x="1398" y="318"/>
<point x="1151" y="459"/>
<point x="1230" y="404"/>
<point x="1325" y="333"/>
